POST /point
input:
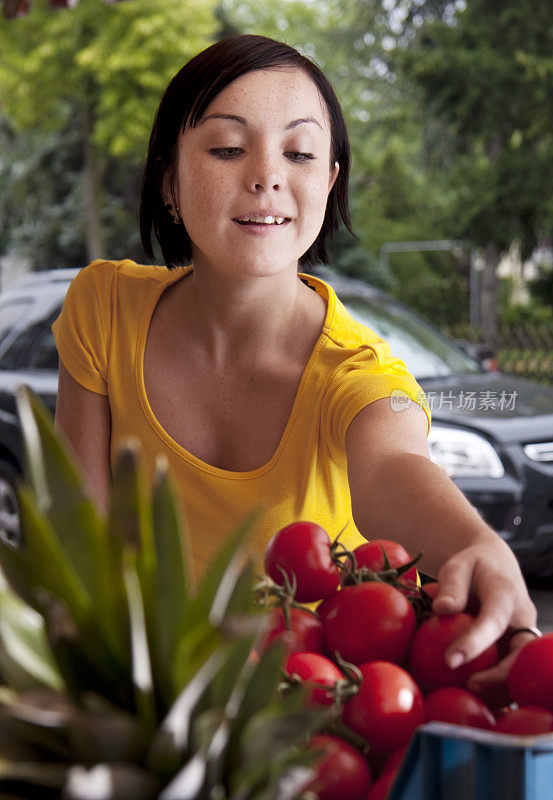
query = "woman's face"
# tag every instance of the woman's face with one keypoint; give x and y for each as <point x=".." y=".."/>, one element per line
<point x="253" y="177"/>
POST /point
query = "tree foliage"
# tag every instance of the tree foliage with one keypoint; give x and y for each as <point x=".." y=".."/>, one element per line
<point x="43" y="205"/>
<point x="78" y="91"/>
<point x="488" y="79"/>
<point x="485" y="78"/>
<point x="113" y="59"/>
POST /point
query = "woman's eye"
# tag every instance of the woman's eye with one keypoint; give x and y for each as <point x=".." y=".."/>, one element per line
<point x="226" y="153"/>
<point x="298" y="157"/>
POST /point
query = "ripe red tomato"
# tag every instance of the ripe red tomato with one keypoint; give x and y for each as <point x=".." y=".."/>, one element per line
<point x="426" y="658"/>
<point x="316" y="669"/>
<point x="342" y="773"/>
<point x="302" y="549"/>
<point x="452" y="704"/>
<point x="387" y="708"/>
<point x="305" y="633"/>
<point x="368" y="621"/>
<point x="530" y="678"/>
<point x="370" y="555"/>
<point x="525" y="721"/>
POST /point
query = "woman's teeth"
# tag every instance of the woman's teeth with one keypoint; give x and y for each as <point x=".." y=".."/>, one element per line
<point x="262" y="220"/>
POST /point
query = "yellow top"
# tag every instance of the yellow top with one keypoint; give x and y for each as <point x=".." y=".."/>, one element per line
<point x="101" y="336"/>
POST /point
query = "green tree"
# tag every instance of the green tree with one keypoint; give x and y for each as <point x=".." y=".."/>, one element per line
<point x="42" y="199"/>
<point x="486" y="81"/>
<point x="97" y="70"/>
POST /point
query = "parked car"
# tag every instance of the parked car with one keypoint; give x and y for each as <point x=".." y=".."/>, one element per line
<point x="491" y="433"/>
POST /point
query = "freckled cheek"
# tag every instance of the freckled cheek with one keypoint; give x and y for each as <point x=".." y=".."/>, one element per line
<point x="204" y="203"/>
<point x="315" y="206"/>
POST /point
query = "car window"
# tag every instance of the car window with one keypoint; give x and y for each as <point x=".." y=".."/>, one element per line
<point x="425" y="353"/>
<point x="14" y="357"/>
<point x="44" y="354"/>
<point x="10" y="315"/>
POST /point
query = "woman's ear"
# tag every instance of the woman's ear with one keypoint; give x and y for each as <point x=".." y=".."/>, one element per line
<point x="169" y="197"/>
<point x="333" y="175"/>
<point x="167" y="191"/>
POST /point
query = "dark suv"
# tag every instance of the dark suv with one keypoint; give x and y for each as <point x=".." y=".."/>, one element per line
<point x="492" y="433"/>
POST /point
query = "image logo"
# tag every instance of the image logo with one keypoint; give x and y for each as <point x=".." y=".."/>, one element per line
<point x="399" y="400"/>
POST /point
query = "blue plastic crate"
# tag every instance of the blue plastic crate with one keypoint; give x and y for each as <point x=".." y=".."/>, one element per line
<point x="453" y="762"/>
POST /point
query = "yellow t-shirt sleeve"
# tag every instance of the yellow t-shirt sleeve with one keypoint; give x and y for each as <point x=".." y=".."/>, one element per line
<point x="82" y="330"/>
<point x="370" y="374"/>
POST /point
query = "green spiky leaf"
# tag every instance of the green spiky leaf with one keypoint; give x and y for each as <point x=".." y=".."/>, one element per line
<point x="172" y="738"/>
<point x="274" y="740"/>
<point x="174" y="579"/>
<point x="60" y="493"/>
<point x="30" y="775"/>
<point x="230" y="554"/>
<point x="130" y="520"/>
<point x="45" y="562"/>
<point x="110" y="782"/>
<point x="82" y="656"/>
<point x="141" y="661"/>
<point x="25" y="657"/>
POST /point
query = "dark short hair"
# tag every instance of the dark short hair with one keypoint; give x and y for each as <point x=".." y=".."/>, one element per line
<point x="185" y="101"/>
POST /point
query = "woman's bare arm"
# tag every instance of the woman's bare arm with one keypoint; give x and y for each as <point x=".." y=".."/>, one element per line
<point x="85" y="421"/>
<point x="399" y="493"/>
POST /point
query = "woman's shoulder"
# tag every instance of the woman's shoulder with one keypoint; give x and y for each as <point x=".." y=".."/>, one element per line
<point x="108" y="278"/>
<point x="102" y="270"/>
<point x="344" y="331"/>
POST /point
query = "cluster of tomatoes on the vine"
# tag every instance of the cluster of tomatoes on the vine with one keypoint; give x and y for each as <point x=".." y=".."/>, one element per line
<point x="373" y="653"/>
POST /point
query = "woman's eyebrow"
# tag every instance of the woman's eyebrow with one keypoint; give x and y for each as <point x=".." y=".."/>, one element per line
<point x="242" y="121"/>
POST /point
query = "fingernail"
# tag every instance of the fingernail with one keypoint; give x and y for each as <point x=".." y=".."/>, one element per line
<point x="448" y="599"/>
<point x="456" y="659"/>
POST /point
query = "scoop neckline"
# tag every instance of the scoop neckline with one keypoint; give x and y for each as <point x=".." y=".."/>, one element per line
<point x="322" y="289"/>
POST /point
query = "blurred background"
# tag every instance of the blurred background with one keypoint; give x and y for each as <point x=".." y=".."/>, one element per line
<point x="450" y="111"/>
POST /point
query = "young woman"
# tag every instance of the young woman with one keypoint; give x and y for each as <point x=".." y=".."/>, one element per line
<point x="251" y="379"/>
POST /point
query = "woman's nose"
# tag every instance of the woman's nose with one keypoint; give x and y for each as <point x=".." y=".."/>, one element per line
<point x="265" y="174"/>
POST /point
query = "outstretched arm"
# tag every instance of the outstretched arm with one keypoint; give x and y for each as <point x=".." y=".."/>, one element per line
<point x="399" y="493"/>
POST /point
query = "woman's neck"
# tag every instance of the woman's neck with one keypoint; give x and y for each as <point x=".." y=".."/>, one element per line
<point x="247" y="318"/>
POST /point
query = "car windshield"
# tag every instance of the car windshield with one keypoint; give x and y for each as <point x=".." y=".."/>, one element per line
<point x="425" y="353"/>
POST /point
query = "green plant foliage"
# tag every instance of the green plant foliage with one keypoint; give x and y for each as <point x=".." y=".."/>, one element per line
<point x="78" y="92"/>
<point x="485" y="79"/>
<point x="114" y="59"/>
<point x="121" y="679"/>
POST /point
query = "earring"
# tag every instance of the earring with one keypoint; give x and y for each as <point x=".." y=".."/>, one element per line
<point x="177" y="219"/>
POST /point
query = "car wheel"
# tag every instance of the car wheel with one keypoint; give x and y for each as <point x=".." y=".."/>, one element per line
<point x="9" y="507"/>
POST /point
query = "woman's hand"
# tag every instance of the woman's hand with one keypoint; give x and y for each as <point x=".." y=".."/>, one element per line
<point x="486" y="572"/>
